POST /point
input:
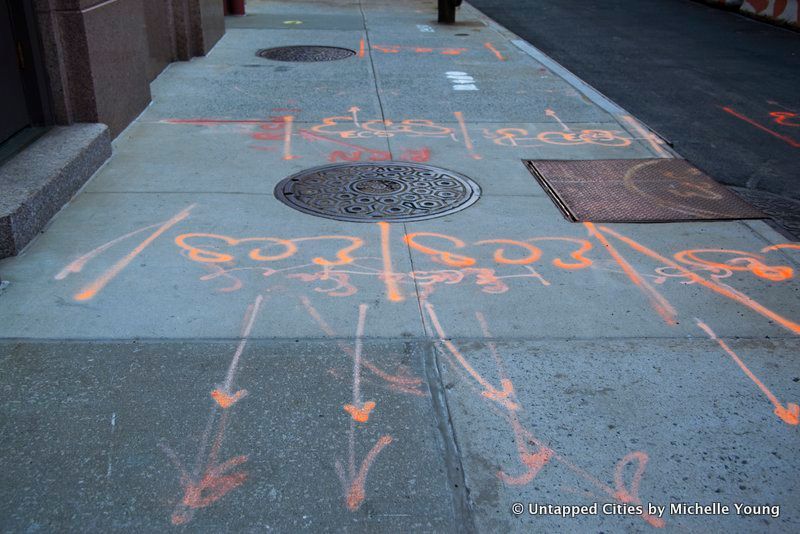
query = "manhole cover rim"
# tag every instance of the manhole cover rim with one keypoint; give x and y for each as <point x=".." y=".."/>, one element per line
<point x="262" y="53"/>
<point x="474" y="193"/>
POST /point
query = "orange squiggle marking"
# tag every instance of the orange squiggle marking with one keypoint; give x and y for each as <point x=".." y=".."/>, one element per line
<point x="657" y="300"/>
<point x="745" y="262"/>
<point x="448" y="258"/>
<point x="96" y="286"/>
<point x="725" y="291"/>
<point x="208" y="256"/>
<point x="578" y="255"/>
<point x="790" y="414"/>
<point x="343" y="254"/>
<point x="534" y="253"/>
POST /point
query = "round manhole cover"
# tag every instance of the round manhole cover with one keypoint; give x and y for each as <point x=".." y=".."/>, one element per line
<point x="305" y="53"/>
<point x="369" y="192"/>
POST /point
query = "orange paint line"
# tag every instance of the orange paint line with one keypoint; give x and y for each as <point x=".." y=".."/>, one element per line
<point x="392" y="289"/>
<point x="490" y="392"/>
<point x="651" y="138"/>
<point x="356" y="492"/>
<point x="77" y="265"/>
<point x="288" y="124"/>
<point x="495" y="51"/>
<point x="790" y="414"/>
<point x="785" y="139"/>
<point x="95" y="287"/>
<point x="361" y="48"/>
<point x="467" y="140"/>
<point x="725" y="291"/>
<point x="659" y="303"/>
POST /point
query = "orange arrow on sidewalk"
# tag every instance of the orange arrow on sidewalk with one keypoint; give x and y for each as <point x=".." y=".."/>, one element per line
<point x="789" y="414"/>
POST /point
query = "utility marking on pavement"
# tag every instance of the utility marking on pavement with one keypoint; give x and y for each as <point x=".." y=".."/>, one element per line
<point x="655" y="141"/>
<point x="495" y="51"/>
<point x="534" y="461"/>
<point x="392" y="289"/>
<point x="359" y="410"/>
<point x="467" y="140"/>
<point x="790" y="414"/>
<point x="788" y="140"/>
<point x="552" y="114"/>
<point x="288" y="121"/>
<point x="462" y="81"/>
<point x="77" y="265"/>
<point x="361" y="48"/>
<point x="401" y="382"/>
<point x="394" y="49"/>
<point x="723" y="290"/>
<point x="210" y="480"/>
<point x="425" y="28"/>
<point x="292" y="21"/>
<point x="97" y="285"/>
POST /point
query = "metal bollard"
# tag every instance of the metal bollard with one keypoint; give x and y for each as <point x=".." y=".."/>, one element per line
<point x="447" y="11"/>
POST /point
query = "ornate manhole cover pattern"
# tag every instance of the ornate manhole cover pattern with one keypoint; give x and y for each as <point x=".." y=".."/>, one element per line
<point x="305" y="53"/>
<point x="370" y="192"/>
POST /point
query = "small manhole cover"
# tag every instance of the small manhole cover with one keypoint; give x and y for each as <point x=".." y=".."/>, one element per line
<point x="305" y="53"/>
<point x="370" y="192"/>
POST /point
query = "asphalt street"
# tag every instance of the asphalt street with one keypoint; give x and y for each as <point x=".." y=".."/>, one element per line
<point x="722" y="87"/>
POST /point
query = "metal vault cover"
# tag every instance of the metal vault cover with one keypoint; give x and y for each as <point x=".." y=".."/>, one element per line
<point x="305" y="53"/>
<point x="370" y="192"/>
<point x="637" y="190"/>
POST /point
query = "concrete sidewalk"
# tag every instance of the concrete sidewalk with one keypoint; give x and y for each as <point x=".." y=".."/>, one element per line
<point x="180" y="349"/>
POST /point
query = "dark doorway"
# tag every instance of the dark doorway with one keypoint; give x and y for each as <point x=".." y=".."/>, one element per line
<point x="23" y="110"/>
<point x="14" y="115"/>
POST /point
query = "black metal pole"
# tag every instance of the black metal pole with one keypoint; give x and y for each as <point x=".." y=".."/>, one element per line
<point x="447" y="11"/>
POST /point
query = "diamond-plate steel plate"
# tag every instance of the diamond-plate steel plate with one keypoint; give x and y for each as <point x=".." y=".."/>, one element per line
<point x="638" y="190"/>
<point x="369" y="192"/>
<point x="305" y="53"/>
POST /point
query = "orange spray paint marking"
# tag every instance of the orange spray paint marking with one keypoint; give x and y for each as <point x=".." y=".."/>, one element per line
<point x="788" y="140"/>
<point x="745" y="261"/>
<point x="490" y="392"/>
<point x="95" y="287"/>
<point x="784" y="118"/>
<point x="361" y="48"/>
<point x="343" y="255"/>
<point x="631" y="496"/>
<point x="794" y="246"/>
<point x="224" y="394"/>
<point x="725" y="291"/>
<point x="354" y="110"/>
<point x="657" y="300"/>
<point x="448" y="258"/>
<point x="651" y="138"/>
<point x="77" y="265"/>
<point x="392" y="288"/>
<point x="288" y="122"/>
<point x="494" y="51"/>
<point x="407" y="384"/>
<point x="790" y="414"/>
<point x="467" y="140"/>
<point x="578" y="255"/>
<point x="499" y="255"/>
<point x="359" y="410"/>
<point x="354" y="488"/>
<point x="550" y="113"/>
